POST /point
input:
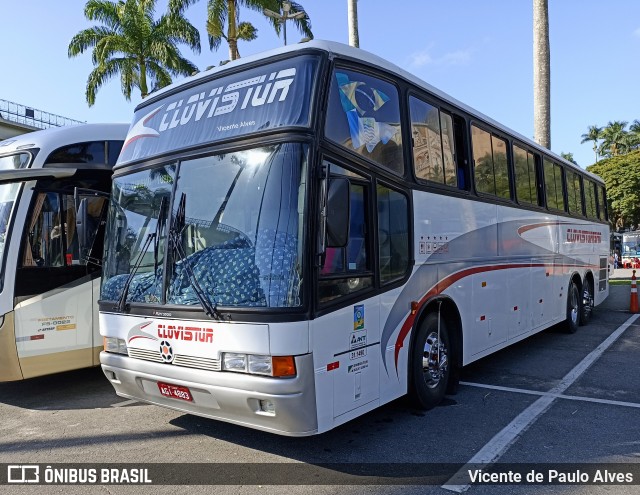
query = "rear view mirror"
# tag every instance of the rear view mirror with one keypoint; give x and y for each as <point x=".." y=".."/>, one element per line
<point x="338" y="201"/>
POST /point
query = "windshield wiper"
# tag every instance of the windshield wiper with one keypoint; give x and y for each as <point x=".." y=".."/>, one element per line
<point x="159" y="228"/>
<point x="175" y="234"/>
<point x="136" y="265"/>
<point x="155" y="236"/>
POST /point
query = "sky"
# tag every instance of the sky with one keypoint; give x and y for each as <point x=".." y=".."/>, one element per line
<point x="479" y="52"/>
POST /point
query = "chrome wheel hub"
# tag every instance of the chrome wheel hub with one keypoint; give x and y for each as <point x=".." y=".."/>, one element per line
<point x="574" y="307"/>
<point x="434" y="360"/>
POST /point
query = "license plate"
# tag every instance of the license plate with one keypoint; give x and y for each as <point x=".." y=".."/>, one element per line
<point x="175" y="391"/>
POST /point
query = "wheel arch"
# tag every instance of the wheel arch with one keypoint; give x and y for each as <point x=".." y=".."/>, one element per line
<point x="577" y="280"/>
<point x="449" y="311"/>
<point x="588" y="277"/>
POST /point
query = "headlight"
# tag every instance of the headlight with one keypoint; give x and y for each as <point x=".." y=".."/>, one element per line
<point x="115" y="345"/>
<point x="235" y="362"/>
<point x="258" y="364"/>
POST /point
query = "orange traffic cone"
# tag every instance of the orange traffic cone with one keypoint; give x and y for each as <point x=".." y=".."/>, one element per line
<point x="633" y="307"/>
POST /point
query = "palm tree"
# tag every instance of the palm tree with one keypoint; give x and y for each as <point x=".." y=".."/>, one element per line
<point x="225" y="13"/>
<point x="541" y="74"/>
<point x="352" y="9"/>
<point x="614" y="138"/>
<point x="593" y="134"/>
<point x="131" y="43"/>
<point x="634" y="134"/>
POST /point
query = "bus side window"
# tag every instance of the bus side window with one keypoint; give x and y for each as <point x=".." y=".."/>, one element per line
<point x="491" y="166"/>
<point x="346" y="270"/>
<point x="43" y="246"/>
<point x="393" y="234"/>
<point x="434" y="144"/>
<point x="50" y="254"/>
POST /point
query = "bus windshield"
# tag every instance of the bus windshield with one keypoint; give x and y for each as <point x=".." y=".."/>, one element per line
<point x="235" y="225"/>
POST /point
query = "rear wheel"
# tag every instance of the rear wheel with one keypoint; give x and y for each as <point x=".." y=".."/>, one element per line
<point x="587" y="302"/>
<point x="573" y="308"/>
<point x="430" y="366"/>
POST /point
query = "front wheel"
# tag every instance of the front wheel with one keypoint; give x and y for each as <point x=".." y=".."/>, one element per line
<point x="587" y="302"/>
<point x="573" y="308"/>
<point x="430" y="367"/>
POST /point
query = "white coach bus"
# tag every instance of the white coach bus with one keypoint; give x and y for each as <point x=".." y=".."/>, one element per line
<point x="298" y="237"/>
<point x="50" y="256"/>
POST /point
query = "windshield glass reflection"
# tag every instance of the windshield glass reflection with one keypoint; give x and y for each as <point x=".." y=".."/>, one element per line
<point x="236" y="230"/>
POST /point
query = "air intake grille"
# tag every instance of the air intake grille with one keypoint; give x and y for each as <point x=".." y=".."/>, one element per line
<point x="200" y="363"/>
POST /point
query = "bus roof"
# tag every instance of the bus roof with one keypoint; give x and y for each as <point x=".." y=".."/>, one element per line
<point x="55" y="137"/>
<point x="335" y="49"/>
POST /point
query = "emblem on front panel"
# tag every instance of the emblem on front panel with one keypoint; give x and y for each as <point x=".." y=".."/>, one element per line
<point x="166" y="351"/>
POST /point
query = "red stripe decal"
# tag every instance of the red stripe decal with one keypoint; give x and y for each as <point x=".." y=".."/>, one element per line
<point x="444" y="285"/>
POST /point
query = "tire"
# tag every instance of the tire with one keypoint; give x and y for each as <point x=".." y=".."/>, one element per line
<point x="574" y="308"/>
<point x="587" y="303"/>
<point x="430" y="370"/>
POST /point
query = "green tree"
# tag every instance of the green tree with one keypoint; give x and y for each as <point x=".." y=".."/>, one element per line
<point x="621" y="175"/>
<point x="131" y="43"/>
<point x="223" y="22"/>
<point x="634" y="134"/>
<point x="614" y="139"/>
<point x="593" y="134"/>
<point x="568" y="157"/>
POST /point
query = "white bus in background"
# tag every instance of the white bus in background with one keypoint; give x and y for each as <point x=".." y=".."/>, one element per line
<point x="54" y="186"/>
<point x="630" y="249"/>
<point x="298" y="237"/>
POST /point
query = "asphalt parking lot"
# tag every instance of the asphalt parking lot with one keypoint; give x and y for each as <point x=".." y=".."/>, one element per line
<point x="544" y="402"/>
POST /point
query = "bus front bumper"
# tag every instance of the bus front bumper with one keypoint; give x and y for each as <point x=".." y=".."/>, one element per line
<point x="232" y="397"/>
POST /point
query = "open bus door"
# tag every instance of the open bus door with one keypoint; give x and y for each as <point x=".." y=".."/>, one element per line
<point x="53" y="326"/>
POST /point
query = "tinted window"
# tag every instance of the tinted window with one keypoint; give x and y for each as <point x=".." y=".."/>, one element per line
<point x="501" y="167"/>
<point x="254" y="100"/>
<point x="90" y="152"/>
<point x="525" y="176"/>
<point x="114" y="148"/>
<point x="553" y="185"/>
<point x="602" y="204"/>
<point x="590" y="199"/>
<point x="364" y="116"/>
<point x="574" y="193"/>
<point x="490" y="163"/>
<point x="393" y="234"/>
<point x="433" y="143"/>
<point x="483" y="160"/>
<point x="346" y="270"/>
<point x="51" y="238"/>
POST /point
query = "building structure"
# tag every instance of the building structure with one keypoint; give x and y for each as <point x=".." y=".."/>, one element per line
<point x="16" y="119"/>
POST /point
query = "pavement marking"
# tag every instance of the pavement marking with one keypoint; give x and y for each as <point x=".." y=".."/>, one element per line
<point x="557" y="396"/>
<point x="501" y="442"/>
